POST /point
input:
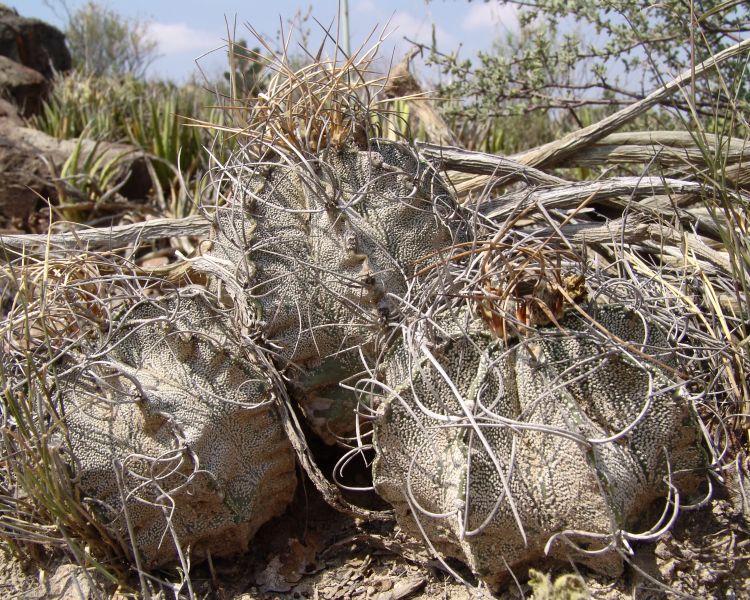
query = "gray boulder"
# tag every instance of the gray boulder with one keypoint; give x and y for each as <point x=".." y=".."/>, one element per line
<point x="25" y="87"/>
<point x="30" y="159"/>
<point x="9" y="113"/>
<point x="33" y="43"/>
<point x="24" y="179"/>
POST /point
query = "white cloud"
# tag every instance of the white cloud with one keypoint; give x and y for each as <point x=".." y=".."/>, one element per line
<point x="365" y="6"/>
<point x="175" y="38"/>
<point x="489" y="15"/>
<point x="403" y="24"/>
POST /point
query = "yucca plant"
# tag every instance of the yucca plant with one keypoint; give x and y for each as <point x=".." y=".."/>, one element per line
<point x="98" y="106"/>
<point x="152" y="116"/>
<point x="158" y="125"/>
<point x="96" y="175"/>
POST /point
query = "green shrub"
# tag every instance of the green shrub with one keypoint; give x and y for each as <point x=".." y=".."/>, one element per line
<point x="103" y="42"/>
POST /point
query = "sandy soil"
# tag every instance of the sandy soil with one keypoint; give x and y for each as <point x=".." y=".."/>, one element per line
<point x="314" y="552"/>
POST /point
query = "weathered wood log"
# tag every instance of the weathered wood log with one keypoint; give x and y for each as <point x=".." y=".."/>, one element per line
<point x="572" y="195"/>
<point x="564" y="152"/>
<point x="109" y="237"/>
<point x="670" y="149"/>
<point x="452" y="158"/>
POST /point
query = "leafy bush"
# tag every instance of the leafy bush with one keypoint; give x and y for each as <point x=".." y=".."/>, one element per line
<point x="550" y="68"/>
<point x="102" y="42"/>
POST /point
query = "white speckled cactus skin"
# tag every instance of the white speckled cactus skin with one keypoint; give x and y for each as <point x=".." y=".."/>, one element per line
<point x="517" y="447"/>
<point x="490" y="448"/>
<point x="331" y="248"/>
<point x="188" y="419"/>
<point x="323" y="249"/>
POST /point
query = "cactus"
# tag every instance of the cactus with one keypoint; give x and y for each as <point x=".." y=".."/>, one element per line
<point x="501" y="453"/>
<point x="321" y="251"/>
<point x="511" y="417"/>
<point x="175" y="433"/>
<point x="343" y="265"/>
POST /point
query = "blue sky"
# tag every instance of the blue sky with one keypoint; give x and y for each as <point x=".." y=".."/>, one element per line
<point x="190" y="28"/>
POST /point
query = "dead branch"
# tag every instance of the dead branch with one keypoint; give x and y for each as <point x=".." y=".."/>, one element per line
<point x="481" y="163"/>
<point x="572" y="195"/>
<point x="671" y="149"/>
<point x="553" y="153"/>
<point x="109" y="237"/>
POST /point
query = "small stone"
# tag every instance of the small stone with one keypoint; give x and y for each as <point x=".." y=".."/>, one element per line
<point x="71" y="582"/>
<point x="667" y="569"/>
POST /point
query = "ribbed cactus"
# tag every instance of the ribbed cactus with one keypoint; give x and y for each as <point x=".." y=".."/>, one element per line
<point x="321" y="252"/>
<point x="500" y="453"/>
<point x="176" y="433"/>
<point x="510" y="416"/>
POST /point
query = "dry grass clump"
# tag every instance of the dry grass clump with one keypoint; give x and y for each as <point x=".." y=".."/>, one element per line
<point x="63" y="306"/>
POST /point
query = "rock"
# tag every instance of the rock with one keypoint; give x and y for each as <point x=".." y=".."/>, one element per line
<point x="26" y="87"/>
<point x="24" y="180"/>
<point x="33" y="43"/>
<point x="182" y="422"/>
<point x="30" y="158"/>
<point x="402" y="589"/>
<point x="488" y="447"/>
<point x="9" y="113"/>
<point x="71" y="582"/>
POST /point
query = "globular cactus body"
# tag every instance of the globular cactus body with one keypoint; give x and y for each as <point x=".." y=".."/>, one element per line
<point x="492" y="449"/>
<point x="176" y="434"/>
<point x="323" y="250"/>
<point x="342" y="275"/>
<point x="497" y="449"/>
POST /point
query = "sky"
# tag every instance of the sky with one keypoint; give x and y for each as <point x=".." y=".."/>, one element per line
<point x="188" y="29"/>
